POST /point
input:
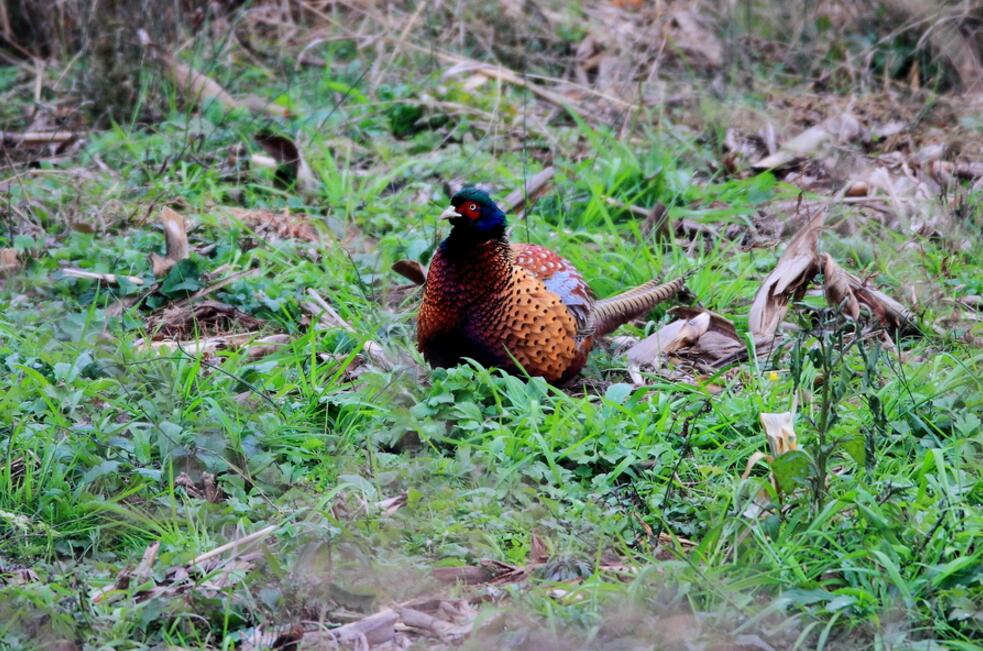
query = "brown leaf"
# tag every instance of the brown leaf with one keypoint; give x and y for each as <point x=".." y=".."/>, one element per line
<point x="489" y="571"/>
<point x="290" y="158"/>
<point x="213" y="492"/>
<point x="176" y="240"/>
<point x="688" y="33"/>
<point x="367" y="632"/>
<point x="283" y="224"/>
<point x="671" y="337"/>
<point x="836" y="287"/>
<point x="17" y="576"/>
<point x="145" y="569"/>
<point x="262" y="638"/>
<point x="787" y="281"/>
<point x="469" y="575"/>
<point x="8" y="261"/>
<point x="411" y="270"/>
<point x="698" y="335"/>
<point x="538" y="553"/>
<point x="947" y="37"/>
<point x="843" y="128"/>
<point x="717" y="323"/>
<point x="890" y="313"/>
<point x="780" y="431"/>
<point x="207" y="318"/>
<point x="390" y="505"/>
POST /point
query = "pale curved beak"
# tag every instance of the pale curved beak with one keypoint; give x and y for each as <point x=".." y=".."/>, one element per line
<point x="450" y="213"/>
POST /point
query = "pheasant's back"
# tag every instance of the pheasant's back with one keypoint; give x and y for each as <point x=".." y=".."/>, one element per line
<point x="559" y="276"/>
<point x="487" y="307"/>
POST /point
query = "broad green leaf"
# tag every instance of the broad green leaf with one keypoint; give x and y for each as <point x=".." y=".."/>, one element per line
<point x="853" y="445"/>
<point x="791" y="469"/>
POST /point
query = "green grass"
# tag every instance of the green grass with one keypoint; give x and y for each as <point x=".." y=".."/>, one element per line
<point x="884" y="552"/>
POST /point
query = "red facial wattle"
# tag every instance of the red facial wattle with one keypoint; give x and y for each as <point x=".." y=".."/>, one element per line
<point x="470" y="209"/>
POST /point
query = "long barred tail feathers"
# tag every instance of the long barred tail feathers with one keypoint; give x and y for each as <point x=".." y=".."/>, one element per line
<point x="617" y="310"/>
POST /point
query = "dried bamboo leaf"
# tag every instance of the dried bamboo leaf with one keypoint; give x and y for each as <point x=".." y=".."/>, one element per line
<point x="842" y="127"/>
<point x="200" y="88"/>
<point x="648" y="351"/>
<point x="788" y="280"/>
<point x="892" y="314"/>
<point x="270" y="224"/>
<point x="372" y="630"/>
<point x="328" y="317"/>
<point x="8" y="261"/>
<point x="176" y="242"/>
<point x="836" y="287"/>
<point x="290" y="158"/>
<point x="688" y="33"/>
<point x="717" y="323"/>
<point x="780" y="430"/>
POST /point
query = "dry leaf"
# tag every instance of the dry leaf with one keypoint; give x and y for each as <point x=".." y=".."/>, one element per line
<point x="468" y="575"/>
<point x="538" y="553"/>
<point x="787" y="281"/>
<point x="890" y="313"/>
<point x="948" y="39"/>
<point x="489" y="571"/>
<point x="390" y="505"/>
<point x="372" y="630"/>
<point x="283" y="224"/>
<point x="718" y="344"/>
<point x="176" y="239"/>
<point x="688" y="33"/>
<point x="8" y="261"/>
<point x="836" y="287"/>
<point x="780" y="433"/>
<point x="843" y="128"/>
<point x="698" y="335"/>
<point x="289" y="157"/>
<point x="780" y="430"/>
<point x="648" y="351"/>
<point x="411" y="270"/>
<point x="207" y="318"/>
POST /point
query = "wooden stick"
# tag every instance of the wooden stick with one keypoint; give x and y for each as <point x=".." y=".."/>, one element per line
<point x="38" y="137"/>
<point x="521" y="199"/>
<point x="235" y="544"/>
<point x="113" y="279"/>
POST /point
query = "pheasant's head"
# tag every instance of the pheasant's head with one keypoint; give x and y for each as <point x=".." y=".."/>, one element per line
<point x="474" y="214"/>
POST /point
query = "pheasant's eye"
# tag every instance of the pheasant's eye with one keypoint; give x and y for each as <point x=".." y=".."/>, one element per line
<point x="470" y="210"/>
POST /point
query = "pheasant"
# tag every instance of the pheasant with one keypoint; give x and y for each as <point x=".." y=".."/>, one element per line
<point x="515" y="306"/>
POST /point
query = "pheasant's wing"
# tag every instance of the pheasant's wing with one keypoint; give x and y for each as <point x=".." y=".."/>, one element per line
<point x="560" y="277"/>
